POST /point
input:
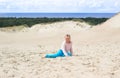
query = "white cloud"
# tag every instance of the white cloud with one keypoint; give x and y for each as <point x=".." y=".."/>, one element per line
<point x="59" y="5"/>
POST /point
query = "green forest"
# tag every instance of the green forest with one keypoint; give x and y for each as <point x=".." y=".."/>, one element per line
<point x="9" y="22"/>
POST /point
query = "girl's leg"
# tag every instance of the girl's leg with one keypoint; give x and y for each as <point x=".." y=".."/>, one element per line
<point x="51" y="55"/>
<point x="58" y="54"/>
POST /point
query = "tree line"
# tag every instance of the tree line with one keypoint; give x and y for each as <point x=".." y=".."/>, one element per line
<point x="13" y="21"/>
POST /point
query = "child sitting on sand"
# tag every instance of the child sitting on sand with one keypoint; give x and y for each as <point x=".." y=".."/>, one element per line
<point x="65" y="50"/>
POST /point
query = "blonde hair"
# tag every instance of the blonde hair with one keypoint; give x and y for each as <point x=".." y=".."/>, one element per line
<point x="68" y="35"/>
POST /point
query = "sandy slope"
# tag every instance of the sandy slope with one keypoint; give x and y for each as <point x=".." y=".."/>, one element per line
<point x="113" y="22"/>
<point x="96" y="51"/>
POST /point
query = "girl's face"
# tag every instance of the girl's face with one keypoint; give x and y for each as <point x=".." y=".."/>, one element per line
<point x="67" y="39"/>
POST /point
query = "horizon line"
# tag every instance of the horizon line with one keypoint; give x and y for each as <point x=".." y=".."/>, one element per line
<point x="59" y="12"/>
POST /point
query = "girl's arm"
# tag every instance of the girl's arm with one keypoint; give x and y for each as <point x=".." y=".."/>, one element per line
<point x="71" y="49"/>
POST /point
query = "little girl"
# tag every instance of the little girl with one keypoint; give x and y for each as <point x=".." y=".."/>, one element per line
<point x="65" y="50"/>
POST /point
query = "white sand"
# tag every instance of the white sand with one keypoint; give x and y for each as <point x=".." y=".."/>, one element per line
<point x="96" y="51"/>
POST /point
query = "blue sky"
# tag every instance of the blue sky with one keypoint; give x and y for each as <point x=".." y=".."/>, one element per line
<point x="64" y="6"/>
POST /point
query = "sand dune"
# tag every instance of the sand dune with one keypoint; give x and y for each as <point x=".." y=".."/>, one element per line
<point x="113" y="22"/>
<point x="96" y="51"/>
<point x="66" y="25"/>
